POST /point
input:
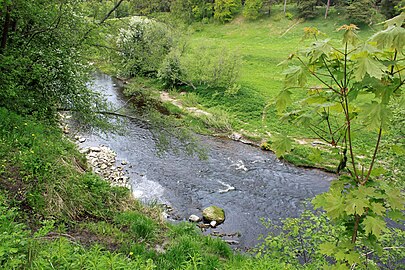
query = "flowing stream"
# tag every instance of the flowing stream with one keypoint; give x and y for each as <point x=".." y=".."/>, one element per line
<point x="259" y="184"/>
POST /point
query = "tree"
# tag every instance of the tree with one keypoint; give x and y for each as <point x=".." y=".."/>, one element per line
<point x="143" y="46"/>
<point x="252" y="8"/>
<point x="306" y="9"/>
<point x="192" y="10"/>
<point x="390" y="8"/>
<point x="361" y="198"/>
<point x="360" y="12"/>
<point x="225" y="10"/>
<point x="42" y="59"/>
<point x="41" y="65"/>
<point x="327" y="8"/>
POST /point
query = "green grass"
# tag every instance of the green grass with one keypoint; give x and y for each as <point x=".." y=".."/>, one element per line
<point x="262" y="44"/>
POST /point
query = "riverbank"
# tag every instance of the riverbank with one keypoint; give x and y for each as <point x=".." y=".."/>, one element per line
<point x="56" y="213"/>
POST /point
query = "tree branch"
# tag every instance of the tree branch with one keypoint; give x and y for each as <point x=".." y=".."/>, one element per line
<point x="374" y="156"/>
<point x="117" y="5"/>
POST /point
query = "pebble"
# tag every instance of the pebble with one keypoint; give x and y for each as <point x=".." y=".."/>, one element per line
<point x="194" y="218"/>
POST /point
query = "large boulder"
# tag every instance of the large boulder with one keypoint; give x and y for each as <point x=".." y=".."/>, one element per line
<point x="214" y="213"/>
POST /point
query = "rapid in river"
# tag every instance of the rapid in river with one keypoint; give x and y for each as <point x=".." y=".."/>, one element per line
<point x="246" y="182"/>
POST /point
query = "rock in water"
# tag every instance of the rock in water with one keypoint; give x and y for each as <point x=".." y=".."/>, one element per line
<point x="214" y="213"/>
<point x="194" y="218"/>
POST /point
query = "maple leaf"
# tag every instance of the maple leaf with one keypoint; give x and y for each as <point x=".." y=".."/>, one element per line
<point x="332" y="202"/>
<point x="395" y="199"/>
<point x="295" y="75"/>
<point x="366" y="64"/>
<point x="283" y="99"/>
<point x="377" y="208"/>
<point x="327" y="248"/>
<point x="374" y="225"/>
<point x="375" y="115"/>
<point x="281" y="145"/>
<point x="356" y="205"/>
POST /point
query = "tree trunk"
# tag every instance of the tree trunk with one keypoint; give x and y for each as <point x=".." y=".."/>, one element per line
<point x="6" y="26"/>
<point x="285" y="6"/>
<point x="327" y="9"/>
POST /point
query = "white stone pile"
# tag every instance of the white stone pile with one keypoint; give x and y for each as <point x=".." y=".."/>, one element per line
<point x="102" y="159"/>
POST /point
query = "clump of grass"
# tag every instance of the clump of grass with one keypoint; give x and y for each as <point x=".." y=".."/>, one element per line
<point x="142" y="227"/>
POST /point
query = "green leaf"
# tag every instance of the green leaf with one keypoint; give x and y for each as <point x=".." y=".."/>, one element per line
<point x="353" y="257"/>
<point x="366" y="64"/>
<point x="375" y="115"/>
<point x="295" y="75"/>
<point x="332" y="202"/>
<point x="391" y="38"/>
<point x="395" y="199"/>
<point x="283" y="99"/>
<point x="327" y="248"/>
<point x="281" y="145"/>
<point x="356" y="205"/>
<point x="396" y="215"/>
<point x="396" y="21"/>
<point x="377" y="208"/>
<point x="350" y="34"/>
<point x="319" y="49"/>
<point x="373" y="225"/>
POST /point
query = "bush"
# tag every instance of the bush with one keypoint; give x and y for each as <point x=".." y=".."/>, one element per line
<point x="212" y="67"/>
<point x="143" y="46"/>
<point x="13" y="238"/>
<point x="171" y="72"/>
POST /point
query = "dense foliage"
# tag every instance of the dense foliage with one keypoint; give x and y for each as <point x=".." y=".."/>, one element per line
<point x="41" y="58"/>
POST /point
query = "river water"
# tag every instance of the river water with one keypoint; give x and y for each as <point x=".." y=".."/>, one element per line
<point x="263" y="185"/>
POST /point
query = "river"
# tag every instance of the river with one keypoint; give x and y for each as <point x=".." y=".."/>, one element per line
<point x="263" y="185"/>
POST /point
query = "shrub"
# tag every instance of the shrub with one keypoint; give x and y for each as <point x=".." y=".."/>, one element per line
<point x="143" y="46"/>
<point x="171" y="72"/>
<point x="212" y="67"/>
<point x="13" y="238"/>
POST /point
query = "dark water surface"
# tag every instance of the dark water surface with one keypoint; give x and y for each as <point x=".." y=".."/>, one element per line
<point x="263" y="185"/>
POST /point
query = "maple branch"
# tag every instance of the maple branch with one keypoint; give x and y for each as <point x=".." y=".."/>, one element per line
<point x="333" y="77"/>
<point x="374" y="156"/>
<point x="316" y="76"/>
<point x="356" y="228"/>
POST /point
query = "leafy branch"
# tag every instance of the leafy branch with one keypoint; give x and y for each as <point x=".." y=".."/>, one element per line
<point x="356" y="200"/>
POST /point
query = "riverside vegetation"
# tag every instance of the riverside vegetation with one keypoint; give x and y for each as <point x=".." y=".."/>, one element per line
<point x="55" y="213"/>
